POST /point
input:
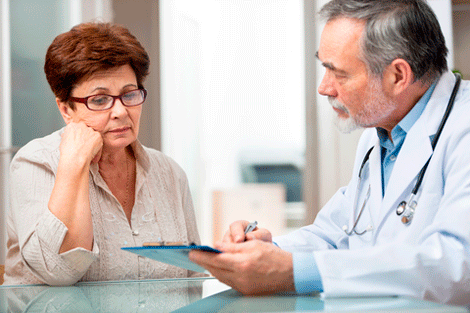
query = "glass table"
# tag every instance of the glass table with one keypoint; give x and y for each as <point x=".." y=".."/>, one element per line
<point x="190" y="295"/>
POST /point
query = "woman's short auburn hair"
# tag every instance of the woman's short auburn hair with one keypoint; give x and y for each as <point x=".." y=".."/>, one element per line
<point x="89" y="48"/>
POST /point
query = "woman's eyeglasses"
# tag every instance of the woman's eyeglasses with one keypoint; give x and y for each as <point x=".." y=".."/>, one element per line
<point x="106" y="102"/>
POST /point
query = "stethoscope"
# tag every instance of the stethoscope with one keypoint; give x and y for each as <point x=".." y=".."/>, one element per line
<point x="406" y="209"/>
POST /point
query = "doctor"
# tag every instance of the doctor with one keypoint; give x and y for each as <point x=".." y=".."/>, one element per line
<point x="386" y="71"/>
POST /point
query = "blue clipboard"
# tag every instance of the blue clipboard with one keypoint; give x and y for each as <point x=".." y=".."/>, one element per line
<point x="173" y="255"/>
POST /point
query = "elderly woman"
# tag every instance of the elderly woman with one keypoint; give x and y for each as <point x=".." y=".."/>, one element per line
<point x="80" y="194"/>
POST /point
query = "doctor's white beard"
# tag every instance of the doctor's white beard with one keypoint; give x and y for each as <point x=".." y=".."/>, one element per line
<point x="345" y="125"/>
<point x="377" y="108"/>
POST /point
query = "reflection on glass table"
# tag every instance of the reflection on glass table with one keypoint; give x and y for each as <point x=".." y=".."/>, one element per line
<point x="124" y="296"/>
<point x="190" y="295"/>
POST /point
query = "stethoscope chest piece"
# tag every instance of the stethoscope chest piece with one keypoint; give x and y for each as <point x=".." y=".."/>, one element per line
<point x="401" y="208"/>
<point x="407" y="209"/>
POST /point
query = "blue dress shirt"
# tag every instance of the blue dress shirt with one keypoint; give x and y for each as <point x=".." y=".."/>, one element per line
<point x="307" y="278"/>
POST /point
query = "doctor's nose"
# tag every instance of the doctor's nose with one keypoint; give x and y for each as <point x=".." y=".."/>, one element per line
<point x="326" y="87"/>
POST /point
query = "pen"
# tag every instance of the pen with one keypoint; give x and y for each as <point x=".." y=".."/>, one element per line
<point x="250" y="227"/>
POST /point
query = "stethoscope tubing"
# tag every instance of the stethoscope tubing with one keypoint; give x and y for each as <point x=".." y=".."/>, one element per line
<point x="438" y="132"/>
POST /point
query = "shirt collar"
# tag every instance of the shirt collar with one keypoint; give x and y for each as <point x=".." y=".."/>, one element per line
<point x="141" y="155"/>
<point x="408" y="121"/>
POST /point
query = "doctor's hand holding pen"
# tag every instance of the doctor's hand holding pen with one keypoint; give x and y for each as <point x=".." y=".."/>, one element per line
<point x="241" y="231"/>
<point x="248" y="254"/>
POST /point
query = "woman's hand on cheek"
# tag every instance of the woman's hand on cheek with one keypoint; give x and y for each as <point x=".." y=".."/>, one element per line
<point x="80" y="143"/>
<point x="97" y="156"/>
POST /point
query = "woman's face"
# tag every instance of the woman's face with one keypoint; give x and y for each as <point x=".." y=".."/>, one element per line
<point x="118" y="125"/>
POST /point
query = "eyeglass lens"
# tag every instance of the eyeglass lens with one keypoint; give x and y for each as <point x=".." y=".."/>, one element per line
<point x="104" y="102"/>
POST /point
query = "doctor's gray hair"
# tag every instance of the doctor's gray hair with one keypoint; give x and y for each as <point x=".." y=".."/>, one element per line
<point x="405" y="29"/>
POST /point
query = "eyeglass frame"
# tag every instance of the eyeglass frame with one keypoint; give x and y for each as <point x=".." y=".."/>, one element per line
<point x="84" y="100"/>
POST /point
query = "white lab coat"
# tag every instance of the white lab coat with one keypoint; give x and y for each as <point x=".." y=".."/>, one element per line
<point x="430" y="258"/>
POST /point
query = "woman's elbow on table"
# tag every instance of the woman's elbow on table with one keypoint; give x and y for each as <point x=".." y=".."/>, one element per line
<point x="58" y="269"/>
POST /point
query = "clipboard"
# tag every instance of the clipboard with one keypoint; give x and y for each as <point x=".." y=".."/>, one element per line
<point x="176" y="255"/>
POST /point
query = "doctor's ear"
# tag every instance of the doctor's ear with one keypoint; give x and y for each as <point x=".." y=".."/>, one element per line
<point x="398" y="76"/>
<point x="65" y="110"/>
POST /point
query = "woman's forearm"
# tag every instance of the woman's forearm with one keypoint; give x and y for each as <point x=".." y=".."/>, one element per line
<point x="70" y="203"/>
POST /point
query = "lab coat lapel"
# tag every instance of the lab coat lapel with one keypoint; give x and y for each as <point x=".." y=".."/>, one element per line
<point x="375" y="182"/>
<point x="413" y="155"/>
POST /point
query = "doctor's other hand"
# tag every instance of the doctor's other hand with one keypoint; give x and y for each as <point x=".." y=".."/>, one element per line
<point x="80" y="142"/>
<point x="236" y="233"/>
<point x="252" y="267"/>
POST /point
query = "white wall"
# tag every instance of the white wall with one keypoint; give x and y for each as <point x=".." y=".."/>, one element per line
<point x="232" y="79"/>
